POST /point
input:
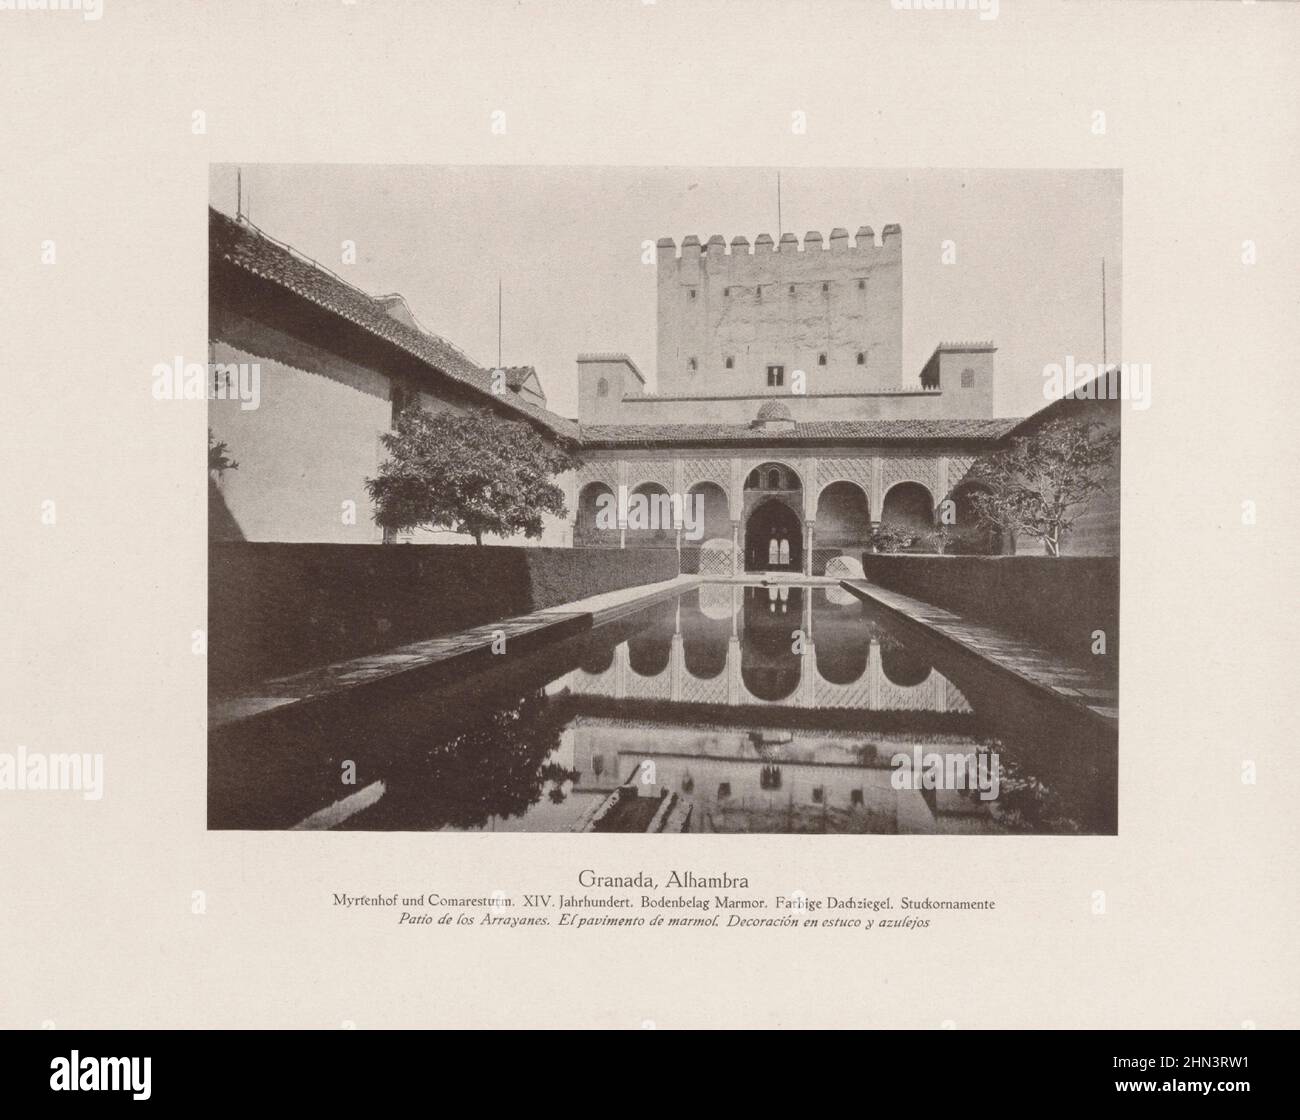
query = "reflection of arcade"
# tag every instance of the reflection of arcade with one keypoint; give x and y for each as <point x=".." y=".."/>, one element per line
<point x="771" y="660"/>
<point x="796" y="647"/>
<point x="734" y="693"/>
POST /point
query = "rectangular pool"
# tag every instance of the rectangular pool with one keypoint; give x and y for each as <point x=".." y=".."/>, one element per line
<point x="730" y="708"/>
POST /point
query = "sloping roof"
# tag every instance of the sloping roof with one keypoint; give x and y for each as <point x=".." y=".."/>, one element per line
<point x="828" y="431"/>
<point x="247" y="248"/>
<point x="1096" y="394"/>
<point x="519" y="376"/>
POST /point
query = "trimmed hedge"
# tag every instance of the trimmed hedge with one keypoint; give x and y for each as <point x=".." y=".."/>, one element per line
<point x="1058" y="602"/>
<point x="278" y="608"/>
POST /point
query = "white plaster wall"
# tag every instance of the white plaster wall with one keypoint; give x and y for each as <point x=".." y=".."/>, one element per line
<point x="305" y="450"/>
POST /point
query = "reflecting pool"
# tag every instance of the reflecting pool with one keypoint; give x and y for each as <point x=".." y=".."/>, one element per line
<point x="729" y="708"/>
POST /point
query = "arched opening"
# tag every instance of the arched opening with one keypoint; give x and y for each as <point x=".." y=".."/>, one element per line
<point x="903" y="666"/>
<point x="773" y="539"/>
<point x="769" y="667"/>
<point x="596" y="658"/>
<point x="706" y="631"/>
<point x="908" y="509"/>
<point x="843" y="524"/>
<point x="597" y="522"/>
<point x="841" y="638"/>
<point x="650" y="517"/>
<point x="706" y="530"/>
<point x="708" y="506"/>
<point x="773" y="504"/>
<point x="650" y="648"/>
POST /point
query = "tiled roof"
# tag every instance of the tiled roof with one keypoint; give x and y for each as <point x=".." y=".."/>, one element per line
<point x="517" y="375"/>
<point x="850" y="431"/>
<point x="247" y="248"/>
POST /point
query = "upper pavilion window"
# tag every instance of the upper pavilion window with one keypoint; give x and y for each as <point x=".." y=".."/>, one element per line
<point x="968" y="379"/>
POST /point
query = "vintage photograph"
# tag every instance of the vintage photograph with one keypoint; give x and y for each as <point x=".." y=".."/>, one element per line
<point x="663" y="500"/>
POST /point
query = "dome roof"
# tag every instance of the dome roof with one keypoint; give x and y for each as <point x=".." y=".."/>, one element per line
<point x="774" y="410"/>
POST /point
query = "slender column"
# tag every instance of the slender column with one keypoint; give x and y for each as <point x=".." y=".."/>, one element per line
<point x="735" y="547"/>
<point x="808" y="555"/>
<point x="677" y="655"/>
<point x="622" y="503"/>
<point x="940" y="488"/>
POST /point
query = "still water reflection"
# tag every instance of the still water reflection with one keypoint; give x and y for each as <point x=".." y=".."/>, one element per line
<point x="727" y="709"/>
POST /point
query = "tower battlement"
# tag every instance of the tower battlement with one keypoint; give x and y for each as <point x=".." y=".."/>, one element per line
<point x="741" y="318"/>
<point x="813" y="242"/>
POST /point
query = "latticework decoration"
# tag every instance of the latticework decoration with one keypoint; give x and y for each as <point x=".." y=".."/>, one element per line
<point x="597" y="470"/>
<point x="857" y="471"/>
<point x="706" y="470"/>
<point x="903" y="469"/>
<point x="696" y="691"/>
<point x="650" y="470"/>
<point x="958" y="468"/>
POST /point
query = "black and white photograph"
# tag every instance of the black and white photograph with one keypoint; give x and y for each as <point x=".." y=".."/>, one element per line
<point x="529" y="511"/>
<point x="614" y="515"/>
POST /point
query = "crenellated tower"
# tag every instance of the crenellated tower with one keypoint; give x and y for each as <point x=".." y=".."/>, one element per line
<point x="740" y="319"/>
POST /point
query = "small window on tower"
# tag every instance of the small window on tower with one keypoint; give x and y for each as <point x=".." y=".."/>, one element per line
<point x="692" y="291"/>
<point x="775" y="376"/>
<point x="602" y="388"/>
<point x="862" y="358"/>
<point x="968" y="379"/>
<point x="821" y="359"/>
<point x="759" y="291"/>
<point x="861" y="285"/>
<point x="792" y="289"/>
<point x="731" y="363"/>
<point x="692" y="365"/>
<point x="825" y="286"/>
<point x="726" y="291"/>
